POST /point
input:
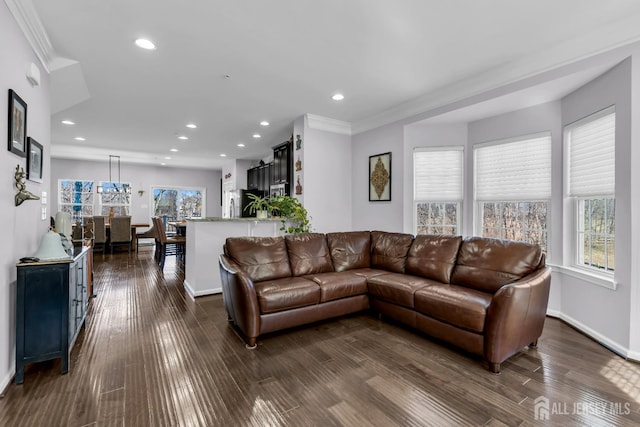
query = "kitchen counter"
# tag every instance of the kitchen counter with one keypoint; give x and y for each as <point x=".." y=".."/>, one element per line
<point x="205" y="239"/>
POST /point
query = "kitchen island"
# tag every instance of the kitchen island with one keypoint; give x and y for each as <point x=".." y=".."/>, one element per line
<point x="205" y="239"/>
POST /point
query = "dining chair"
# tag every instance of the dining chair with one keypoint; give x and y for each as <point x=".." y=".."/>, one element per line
<point x="120" y="232"/>
<point x="99" y="233"/>
<point x="165" y="245"/>
<point x="149" y="234"/>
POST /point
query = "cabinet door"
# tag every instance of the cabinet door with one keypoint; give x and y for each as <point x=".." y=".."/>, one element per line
<point x="252" y="179"/>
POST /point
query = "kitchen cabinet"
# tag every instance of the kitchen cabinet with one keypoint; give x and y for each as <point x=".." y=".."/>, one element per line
<point x="51" y="309"/>
<point x="282" y="173"/>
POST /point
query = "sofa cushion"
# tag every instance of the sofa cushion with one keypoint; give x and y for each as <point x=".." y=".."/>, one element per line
<point x="308" y="253"/>
<point x="389" y="250"/>
<point x="488" y="264"/>
<point x="285" y="294"/>
<point x="261" y="258"/>
<point x="339" y="285"/>
<point x="397" y="288"/>
<point x="350" y="250"/>
<point x="456" y="305"/>
<point x="433" y="256"/>
<point x="368" y="272"/>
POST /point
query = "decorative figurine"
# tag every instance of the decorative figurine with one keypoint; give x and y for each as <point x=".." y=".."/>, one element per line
<point x="298" y="142"/>
<point x="298" y="164"/>
<point x="22" y="194"/>
<point x="298" y="186"/>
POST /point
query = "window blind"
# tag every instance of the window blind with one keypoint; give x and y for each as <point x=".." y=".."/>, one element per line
<point x="592" y="152"/>
<point x="513" y="170"/>
<point x="438" y="174"/>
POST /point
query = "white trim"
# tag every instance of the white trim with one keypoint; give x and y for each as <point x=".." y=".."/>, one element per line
<point x="605" y="281"/>
<point x="601" y="40"/>
<point x="439" y="148"/>
<point x="29" y="22"/>
<point x="193" y="294"/>
<point x="328" y="125"/>
<point x="596" y="336"/>
<point x="519" y="138"/>
<point x="6" y="381"/>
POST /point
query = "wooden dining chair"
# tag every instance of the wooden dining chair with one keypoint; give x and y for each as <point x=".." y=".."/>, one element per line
<point x="174" y="245"/>
<point x="120" y="232"/>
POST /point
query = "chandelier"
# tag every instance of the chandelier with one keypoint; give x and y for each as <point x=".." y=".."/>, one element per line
<point x="114" y="187"/>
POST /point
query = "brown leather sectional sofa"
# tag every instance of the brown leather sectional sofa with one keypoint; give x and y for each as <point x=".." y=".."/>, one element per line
<point x="486" y="296"/>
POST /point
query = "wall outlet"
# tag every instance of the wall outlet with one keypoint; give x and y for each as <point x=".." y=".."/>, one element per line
<point x="44" y="213"/>
<point x="43" y="198"/>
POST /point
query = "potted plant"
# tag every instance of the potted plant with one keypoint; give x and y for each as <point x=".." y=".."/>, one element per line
<point x="258" y="205"/>
<point x="290" y="210"/>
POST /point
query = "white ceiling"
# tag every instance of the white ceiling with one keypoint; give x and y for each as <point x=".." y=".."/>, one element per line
<point x="285" y="58"/>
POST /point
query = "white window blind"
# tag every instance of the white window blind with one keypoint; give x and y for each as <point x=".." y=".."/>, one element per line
<point x="592" y="151"/>
<point x="438" y="174"/>
<point x="513" y="169"/>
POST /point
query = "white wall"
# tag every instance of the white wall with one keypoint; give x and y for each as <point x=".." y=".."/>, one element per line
<point x="326" y="179"/>
<point x="425" y="134"/>
<point x="23" y="227"/>
<point x="141" y="177"/>
<point x="603" y="311"/>
<point x="388" y="216"/>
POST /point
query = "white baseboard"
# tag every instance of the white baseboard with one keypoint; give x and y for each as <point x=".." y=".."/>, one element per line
<point x="6" y="381"/>
<point x="595" y="335"/>
<point x="193" y="294"/>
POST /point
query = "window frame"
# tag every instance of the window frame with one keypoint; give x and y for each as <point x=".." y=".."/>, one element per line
<point x="119" y="208"/>
<point x="478" y="205"/>
<point x="178" y="188"/>
<point x="62" y="204"/>
<point x="606" y="276"/>
<point x="458" y="201"/>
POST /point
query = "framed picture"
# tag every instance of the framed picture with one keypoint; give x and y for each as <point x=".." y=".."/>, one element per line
<point x="380" y="177"/>
<point x="34" y="160"/>
<point x="17" y="124"/>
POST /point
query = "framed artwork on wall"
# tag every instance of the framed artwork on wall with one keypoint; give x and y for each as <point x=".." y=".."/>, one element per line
<point x="380" y="178"/>
<point x="34" y="160"/>
<point x="17" y="125"/>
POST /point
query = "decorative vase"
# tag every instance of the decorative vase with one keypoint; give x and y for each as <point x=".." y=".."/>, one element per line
<point x="262" y="214"/>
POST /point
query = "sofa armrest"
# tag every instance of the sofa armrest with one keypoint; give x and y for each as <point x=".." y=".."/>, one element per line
<point x="240" y="299"/>
<point x="516" y="316"/>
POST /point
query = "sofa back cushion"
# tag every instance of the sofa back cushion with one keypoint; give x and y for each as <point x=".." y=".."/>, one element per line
<point x="433" y="256"/>
<point x="261" y="258"/>
<point x="308" y="254"/>
<point x="389" y="250"/>
<point x="350" y="250"/>
<point x="488" y="264"/>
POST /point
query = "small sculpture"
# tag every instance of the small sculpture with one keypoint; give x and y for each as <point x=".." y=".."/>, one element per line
<point x="298" y="187"/>
<point x="22" y="194"/>
<point x="298" y="142"/>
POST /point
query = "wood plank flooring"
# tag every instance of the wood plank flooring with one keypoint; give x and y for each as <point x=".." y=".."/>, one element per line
<point x="152" y="356"/>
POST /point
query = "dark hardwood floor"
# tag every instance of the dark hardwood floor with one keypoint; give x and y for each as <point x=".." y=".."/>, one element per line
<point x="152" y="356"/>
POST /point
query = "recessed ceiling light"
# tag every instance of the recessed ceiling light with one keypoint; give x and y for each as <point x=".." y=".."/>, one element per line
<point x="264" y="123"/>
<point x="79" y="138"/>
<point x="223" y="155"/>
<point x="167" y="158"/>
<point x="337" y="97"/>
<point x="163" y="164"/>
<point x="175" y="150"/>
<point x="191" y="125"/>
<point x="240" y="145"/>
<point x="183" y="137"/>
<point x="256" y="135"/>
<point x="145" y="44"/>
<point x="67" y="122"/>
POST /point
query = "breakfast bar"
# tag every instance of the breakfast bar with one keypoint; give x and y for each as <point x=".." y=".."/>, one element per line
<point x="204" y="245"/>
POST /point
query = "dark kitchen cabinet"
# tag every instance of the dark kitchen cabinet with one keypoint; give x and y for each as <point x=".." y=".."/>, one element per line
<point x="282" y="173"/>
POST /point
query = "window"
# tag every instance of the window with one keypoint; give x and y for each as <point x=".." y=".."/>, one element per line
<point x="437" y="189"/>
<point x="177" y="203"/>
<point x="512" y="185"/>
<point x="590" y="153"/>
<point x="115" y="196"/>
<point x="75" y="197"/>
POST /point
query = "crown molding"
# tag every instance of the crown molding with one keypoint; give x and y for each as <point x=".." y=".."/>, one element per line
<point x="328" y="125"/>
<point x="75" y="152"/>
<point x="29" y="22"/>
<point x="619" y="34"/>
